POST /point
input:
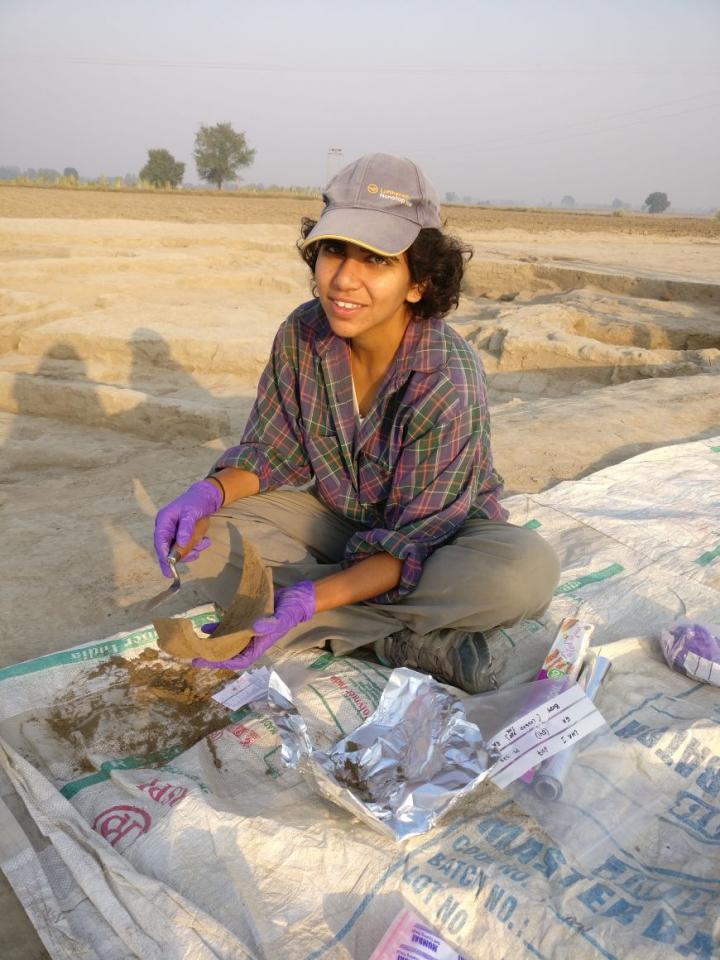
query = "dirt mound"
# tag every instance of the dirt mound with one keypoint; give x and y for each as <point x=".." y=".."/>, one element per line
<point x="129" y="346"/>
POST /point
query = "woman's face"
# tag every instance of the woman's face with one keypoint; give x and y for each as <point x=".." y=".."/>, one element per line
<point x="365" y="296"/>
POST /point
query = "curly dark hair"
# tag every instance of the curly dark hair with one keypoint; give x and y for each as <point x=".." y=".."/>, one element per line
<point x="435" y="259"/>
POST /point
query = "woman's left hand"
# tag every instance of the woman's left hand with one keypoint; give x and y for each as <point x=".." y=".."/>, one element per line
<point x="293" y="605"/>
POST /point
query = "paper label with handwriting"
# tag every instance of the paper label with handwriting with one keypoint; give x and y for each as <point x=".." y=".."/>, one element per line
<point x="545" y="730"/>
<point x="250" y="686"/>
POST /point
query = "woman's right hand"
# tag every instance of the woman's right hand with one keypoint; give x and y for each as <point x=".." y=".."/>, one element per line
<point x="175" y="524"/>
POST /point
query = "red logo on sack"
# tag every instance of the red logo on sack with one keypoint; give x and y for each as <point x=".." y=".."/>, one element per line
<point x="166" y="794"/>
<point x="116" y="823"/>
<point x="244" y="734"/>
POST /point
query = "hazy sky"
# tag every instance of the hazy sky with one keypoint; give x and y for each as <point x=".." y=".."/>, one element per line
<point x="496" y="99"/>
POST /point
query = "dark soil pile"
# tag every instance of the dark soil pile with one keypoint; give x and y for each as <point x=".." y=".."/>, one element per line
<point x="149" y="707"/>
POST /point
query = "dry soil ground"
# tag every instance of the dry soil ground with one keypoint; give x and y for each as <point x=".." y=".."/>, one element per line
<point x="133" y="328"/>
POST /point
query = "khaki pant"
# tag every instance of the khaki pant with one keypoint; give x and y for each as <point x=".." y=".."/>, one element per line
<point x="488" y="575"/>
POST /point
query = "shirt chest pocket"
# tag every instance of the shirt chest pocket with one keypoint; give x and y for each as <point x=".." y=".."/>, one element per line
<point x="375" y="478"/>
<point x="325" y="457"/>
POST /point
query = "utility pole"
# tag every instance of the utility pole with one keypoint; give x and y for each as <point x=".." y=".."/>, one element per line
<point x="334" y="163"/>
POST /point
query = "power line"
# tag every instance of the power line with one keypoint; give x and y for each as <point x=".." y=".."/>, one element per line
<point x="682" y="69"/>
<point x="613" y="116"/>
<point x="621" y="126"/>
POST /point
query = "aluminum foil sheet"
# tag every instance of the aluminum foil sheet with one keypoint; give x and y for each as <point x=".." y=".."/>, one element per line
<point x="407" y="764"/>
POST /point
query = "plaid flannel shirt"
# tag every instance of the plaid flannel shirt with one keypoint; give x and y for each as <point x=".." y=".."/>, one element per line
<point x="411" y="472"/>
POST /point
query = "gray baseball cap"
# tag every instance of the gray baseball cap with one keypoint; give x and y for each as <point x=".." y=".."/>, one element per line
<point x="380" y="202"/>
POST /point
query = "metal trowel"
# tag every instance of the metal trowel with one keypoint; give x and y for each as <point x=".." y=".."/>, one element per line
<point x="173" y="559"/>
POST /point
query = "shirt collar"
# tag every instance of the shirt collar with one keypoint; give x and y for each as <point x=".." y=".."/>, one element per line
<point x="423" y="348"/>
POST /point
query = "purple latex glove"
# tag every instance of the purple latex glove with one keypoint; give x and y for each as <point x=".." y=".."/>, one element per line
<point x="293" y="605"/>
<point x="175" y="523"/>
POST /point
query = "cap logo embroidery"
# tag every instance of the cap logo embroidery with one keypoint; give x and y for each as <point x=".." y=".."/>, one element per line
<point x="386" y="193"/>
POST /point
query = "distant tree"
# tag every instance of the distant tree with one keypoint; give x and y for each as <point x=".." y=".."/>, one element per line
<point x="9" y="173"/>
<point x="568" y="202"/>
<point x="220" y="151"/>
<point x="618" y="204"/>
<point x="71" y="173"/>
<point x="451" y="197"/>
<point x="31" y="173"/>
<point x="48" y="173"/>
<point x="656" y="202"/>
<point x="162" y="169"/>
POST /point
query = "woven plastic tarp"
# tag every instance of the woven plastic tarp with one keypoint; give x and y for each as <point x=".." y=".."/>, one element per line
<point x="220" y="851"/>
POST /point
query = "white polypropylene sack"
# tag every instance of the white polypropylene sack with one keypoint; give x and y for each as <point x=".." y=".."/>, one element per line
<point x="240" y="859"/>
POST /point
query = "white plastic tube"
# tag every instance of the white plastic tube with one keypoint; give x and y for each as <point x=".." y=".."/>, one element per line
<point x="548" y="781"/>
